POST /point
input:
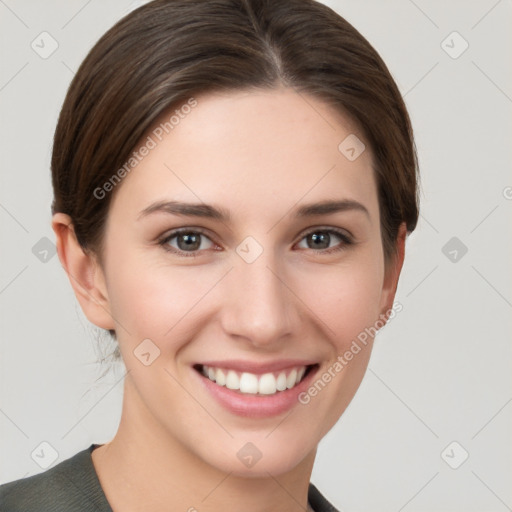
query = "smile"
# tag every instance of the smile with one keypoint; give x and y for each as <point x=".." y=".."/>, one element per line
<point x="251" y="383"/>
<point x="253" y="389"/>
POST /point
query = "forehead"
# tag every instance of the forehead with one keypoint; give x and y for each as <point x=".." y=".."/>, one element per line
<point x="251" y="149"/>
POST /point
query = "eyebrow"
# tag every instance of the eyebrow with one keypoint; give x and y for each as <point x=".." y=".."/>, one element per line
<point x="217" y="213"/>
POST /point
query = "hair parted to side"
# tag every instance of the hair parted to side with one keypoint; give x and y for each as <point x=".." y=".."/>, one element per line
<point x="167" y="51"/>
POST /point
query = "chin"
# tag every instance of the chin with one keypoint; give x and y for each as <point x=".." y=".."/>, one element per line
<point x="246" y="460"/>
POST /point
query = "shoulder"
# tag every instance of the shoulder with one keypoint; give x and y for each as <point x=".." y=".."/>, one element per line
<point x="67" y="487"/>
<point x="318" y="501"/>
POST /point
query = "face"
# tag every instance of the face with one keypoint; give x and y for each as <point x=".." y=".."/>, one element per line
<point x="255" y="288"/>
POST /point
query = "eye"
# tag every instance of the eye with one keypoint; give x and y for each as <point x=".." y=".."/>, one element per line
<point x="189" y="242"/>
<point x="321" y="239"/>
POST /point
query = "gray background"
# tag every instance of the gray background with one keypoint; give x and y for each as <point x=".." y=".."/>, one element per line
<point x="440" y="371"/>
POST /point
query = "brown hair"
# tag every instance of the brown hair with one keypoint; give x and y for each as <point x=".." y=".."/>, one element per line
<point x="166" y="51"/>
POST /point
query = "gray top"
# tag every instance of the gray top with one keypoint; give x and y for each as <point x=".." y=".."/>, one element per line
<point x="73" y="486"/>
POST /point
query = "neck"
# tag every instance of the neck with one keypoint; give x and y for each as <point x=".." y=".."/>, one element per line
<point x="144" y="468"/>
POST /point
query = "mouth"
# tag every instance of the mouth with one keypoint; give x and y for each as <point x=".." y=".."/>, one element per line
<point x="262" y="384"/>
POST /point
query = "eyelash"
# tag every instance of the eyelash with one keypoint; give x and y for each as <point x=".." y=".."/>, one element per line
<point x="346" y="241"/>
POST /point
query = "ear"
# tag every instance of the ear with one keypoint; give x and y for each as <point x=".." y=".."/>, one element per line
<point x="84" y="272"/>
<point x="392" y="273"/>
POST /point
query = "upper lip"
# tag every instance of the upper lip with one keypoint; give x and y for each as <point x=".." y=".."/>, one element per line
<point x="256" y="367"/>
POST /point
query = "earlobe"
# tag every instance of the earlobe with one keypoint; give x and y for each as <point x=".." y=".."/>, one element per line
<point x="84" y="273"/>
<point x="392" y="272"/>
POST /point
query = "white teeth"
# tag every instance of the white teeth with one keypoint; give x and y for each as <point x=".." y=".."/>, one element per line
<point x="248" y="383"/>
<point x="281" y="382"/>
<point x="232" y="380"/>
<point x="266" y="384"/>
<point x="220" y="377"/>
<point x="290" y="381"/>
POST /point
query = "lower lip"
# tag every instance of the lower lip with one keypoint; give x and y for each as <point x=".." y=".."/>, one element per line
<point x="257" y="406"/>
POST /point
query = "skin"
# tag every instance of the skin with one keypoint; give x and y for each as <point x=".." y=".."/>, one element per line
<point x="260" y="155"/>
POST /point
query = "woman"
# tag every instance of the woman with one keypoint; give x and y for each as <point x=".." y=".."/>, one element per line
<point x="234" y="182"/>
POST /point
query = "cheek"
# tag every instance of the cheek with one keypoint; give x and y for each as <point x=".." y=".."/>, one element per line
<point x="345" y="298"/>
<point x="346" y="301"/>
<point x="148" y="300"/>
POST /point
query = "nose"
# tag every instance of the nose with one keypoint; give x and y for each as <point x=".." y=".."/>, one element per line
<point x="259" y="305"/>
